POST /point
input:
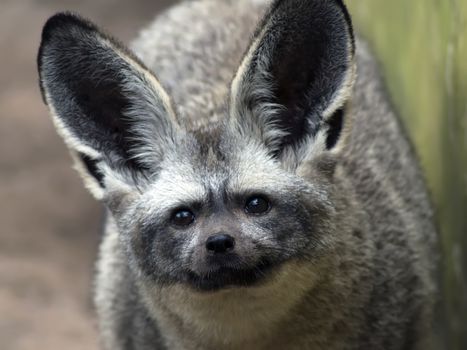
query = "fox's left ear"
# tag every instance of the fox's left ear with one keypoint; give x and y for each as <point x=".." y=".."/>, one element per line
<point x="293" y="83"/>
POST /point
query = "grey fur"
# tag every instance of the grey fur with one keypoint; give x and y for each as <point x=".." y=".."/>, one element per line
<point x="345" y="257"/>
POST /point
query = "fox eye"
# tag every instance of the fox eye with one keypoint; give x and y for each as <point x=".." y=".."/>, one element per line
<point x="257" y="205"/>
<point x="183" y="217"/>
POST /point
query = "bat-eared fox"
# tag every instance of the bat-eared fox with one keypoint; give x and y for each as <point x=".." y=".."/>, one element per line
<point x="261" y="192"/>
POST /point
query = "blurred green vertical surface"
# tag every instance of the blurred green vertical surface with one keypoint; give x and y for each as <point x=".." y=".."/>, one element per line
<point x="422" y="46"/>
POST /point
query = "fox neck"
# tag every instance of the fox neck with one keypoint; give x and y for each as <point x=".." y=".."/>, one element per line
<point x="232" y="318"/>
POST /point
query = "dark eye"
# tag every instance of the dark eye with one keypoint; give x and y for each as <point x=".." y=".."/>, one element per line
<point x="257" y="205"/>
<point x="183" y="217"/>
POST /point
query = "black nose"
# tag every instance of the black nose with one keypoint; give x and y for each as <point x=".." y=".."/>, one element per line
<point x="220" y="243"/>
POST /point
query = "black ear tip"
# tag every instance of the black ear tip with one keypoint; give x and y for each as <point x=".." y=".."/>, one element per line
<point x="55" y="31"/>
<point x="61" y="26"/>
<point x="63" y="22"/>
<point x="348" y="19"/>
<point x="335" y="10"/>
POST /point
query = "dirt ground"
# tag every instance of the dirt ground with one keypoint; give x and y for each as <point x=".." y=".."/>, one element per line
<point x="49" y="225"/>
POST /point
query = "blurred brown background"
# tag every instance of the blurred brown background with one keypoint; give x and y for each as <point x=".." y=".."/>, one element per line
<point x="49" y="225"/>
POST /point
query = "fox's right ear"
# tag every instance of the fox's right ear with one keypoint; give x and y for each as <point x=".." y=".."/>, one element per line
<point x="111" y="111"/>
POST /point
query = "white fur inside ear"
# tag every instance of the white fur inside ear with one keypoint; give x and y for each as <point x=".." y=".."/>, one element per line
<point x="70" y="140"/>
<point x="344" y="92"/>
<point x="90" y="182"/>
<point x="151" y="109"/>
<point x="75" y="147"/>
<point x="306" y="150"/>
<point x="117" y="182"/>
<point x="260" y="88"/>
<point x="112" y="179"/>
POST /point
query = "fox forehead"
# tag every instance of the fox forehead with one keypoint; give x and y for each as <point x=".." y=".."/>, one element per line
<point x="184" y="179"/>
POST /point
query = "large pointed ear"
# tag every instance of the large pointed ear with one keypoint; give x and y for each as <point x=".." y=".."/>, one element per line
<point x="291" y="88"/>
<point x="111" y="111"/>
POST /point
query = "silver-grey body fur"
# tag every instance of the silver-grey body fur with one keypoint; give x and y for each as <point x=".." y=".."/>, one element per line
<point x="372" y="288"/>
<point x="194" y="48"/>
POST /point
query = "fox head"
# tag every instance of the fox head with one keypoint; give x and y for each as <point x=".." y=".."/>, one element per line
<point x="222" y="206"/>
